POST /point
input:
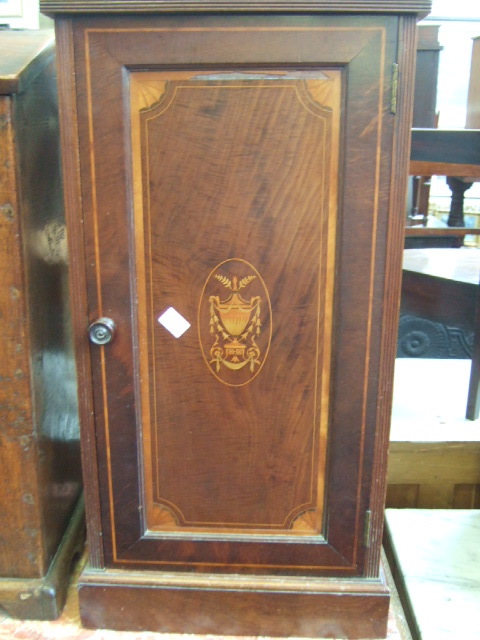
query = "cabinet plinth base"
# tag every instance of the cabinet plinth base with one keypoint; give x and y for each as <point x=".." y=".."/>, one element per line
<point x="44" y="598"/>
<point x="234" y="605"/>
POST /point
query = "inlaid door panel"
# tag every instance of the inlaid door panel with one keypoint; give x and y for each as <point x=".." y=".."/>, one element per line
<point x="236" y="224"/>
<point x="228" y="170"/>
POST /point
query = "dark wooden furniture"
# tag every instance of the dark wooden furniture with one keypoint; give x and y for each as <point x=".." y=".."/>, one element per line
<point x="39" y="437"/>
<point x="446" y="152"/>
<point x="426" y="77"/>
<point x="455" y="154"/>
<point x="246" y="170"/>
<point x="424" y="113"/>
<point x="442" y="285"/>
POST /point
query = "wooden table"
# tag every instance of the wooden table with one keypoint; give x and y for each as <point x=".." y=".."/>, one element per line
<point x="434" y="555"/>
<point x="456" y="155"/>
<point x="461" y="265"/>
<point x="440" y="152"/>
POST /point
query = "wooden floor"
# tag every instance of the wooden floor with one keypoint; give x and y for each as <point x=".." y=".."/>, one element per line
<point x="435" y="556"/>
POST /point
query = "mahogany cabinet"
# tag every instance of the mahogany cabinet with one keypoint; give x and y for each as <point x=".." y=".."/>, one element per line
<point x="235" y="179"/>
<point x="40" y="477"/>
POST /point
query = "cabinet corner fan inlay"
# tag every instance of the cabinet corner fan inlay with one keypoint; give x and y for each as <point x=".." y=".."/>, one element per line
<point x="235" y="185"/>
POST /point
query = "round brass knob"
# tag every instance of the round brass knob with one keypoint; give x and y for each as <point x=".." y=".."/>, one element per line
<point x="101" y="331"/>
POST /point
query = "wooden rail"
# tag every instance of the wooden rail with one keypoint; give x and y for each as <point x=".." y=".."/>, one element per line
<point x="441" y="231"/>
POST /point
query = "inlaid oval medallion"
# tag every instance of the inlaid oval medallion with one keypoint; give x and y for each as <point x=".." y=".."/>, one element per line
<point x="235" y="322"/>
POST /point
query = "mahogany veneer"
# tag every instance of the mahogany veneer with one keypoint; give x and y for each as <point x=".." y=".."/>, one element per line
<point x="246" y="169"/>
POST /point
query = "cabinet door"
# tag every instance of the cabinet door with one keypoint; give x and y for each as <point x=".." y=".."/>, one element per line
<point x="235" y="187"/>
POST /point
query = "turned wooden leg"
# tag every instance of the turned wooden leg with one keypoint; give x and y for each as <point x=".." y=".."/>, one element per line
<point x="458" y="188"/>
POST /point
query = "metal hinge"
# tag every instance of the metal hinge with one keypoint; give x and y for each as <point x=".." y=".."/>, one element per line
<point x="393" y="104"/>
<point x="367" y="531"/>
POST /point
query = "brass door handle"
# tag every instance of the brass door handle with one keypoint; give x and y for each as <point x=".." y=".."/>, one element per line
<point x="101" y="331"/>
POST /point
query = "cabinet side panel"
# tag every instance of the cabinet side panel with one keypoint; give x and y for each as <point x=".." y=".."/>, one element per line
<point x="393" y="279"/>
<point x="45" y="256"/>
<point x="20" y="525"/>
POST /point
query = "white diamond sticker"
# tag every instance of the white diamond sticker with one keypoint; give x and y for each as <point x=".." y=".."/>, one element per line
<point x="174" y="322"/>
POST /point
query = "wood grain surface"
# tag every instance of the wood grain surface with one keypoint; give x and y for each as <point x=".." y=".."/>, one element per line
<point x="211" y="194"/>
<point x="234" y="605"/>
<point x="52" y="7"/>
<point x="39" y="435"/>
<point x="69" y="625"/>
<point x="102" y="51"/>
<point x="239" y="209"/>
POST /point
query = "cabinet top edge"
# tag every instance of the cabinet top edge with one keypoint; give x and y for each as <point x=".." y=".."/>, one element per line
<point x="26" y="53"/>
<point x="421" y="8"/>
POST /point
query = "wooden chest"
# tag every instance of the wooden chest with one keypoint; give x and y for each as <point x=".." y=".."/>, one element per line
<point x="235" y="181"/>
<point x="39" y="437"/>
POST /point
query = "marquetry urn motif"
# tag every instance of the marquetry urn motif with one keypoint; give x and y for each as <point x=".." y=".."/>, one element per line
<point x="239" y="322"/>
